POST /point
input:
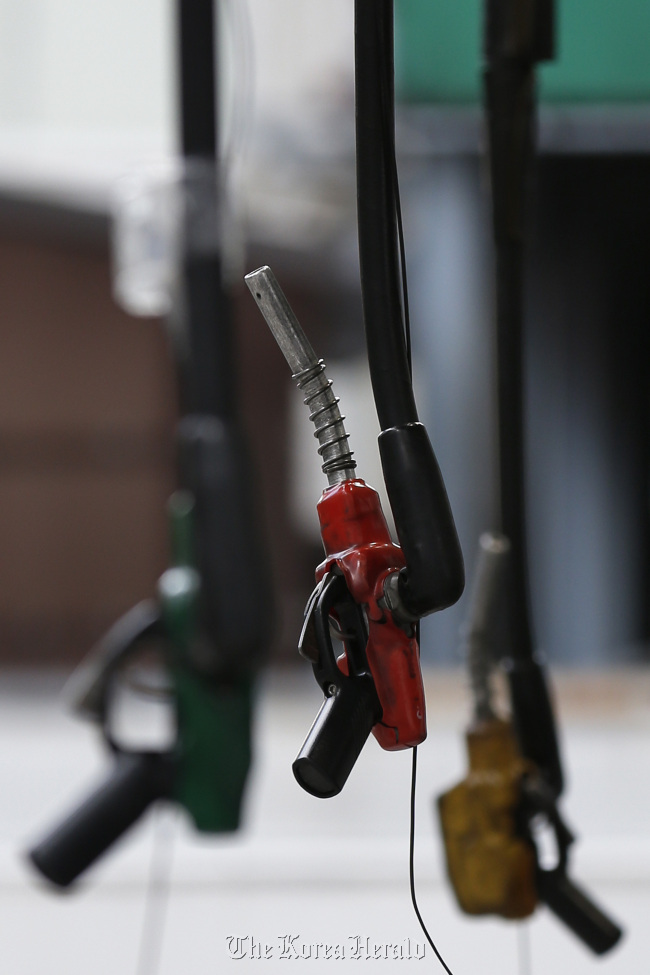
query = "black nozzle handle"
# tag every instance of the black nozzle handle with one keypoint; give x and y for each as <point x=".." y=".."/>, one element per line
<point x="534" y="720"/>
<point x="435" y="575"/>
<point x="572" y="906"/>
<point x="338" y="734"/>
<point x="351" y="707"/>
<point x="134" y="783"/>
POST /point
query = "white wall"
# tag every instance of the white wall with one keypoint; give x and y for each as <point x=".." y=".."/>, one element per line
<point x="70" y="64"/>
<point x="87" y="85"/>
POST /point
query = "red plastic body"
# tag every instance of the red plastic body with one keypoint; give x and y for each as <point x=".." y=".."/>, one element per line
<point x="357" y="540"/>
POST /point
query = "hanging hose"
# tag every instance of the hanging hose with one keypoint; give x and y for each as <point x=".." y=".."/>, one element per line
<point x="376" y="207"/>
<point x="517" y="36"/>
<point x="434" y="574"/>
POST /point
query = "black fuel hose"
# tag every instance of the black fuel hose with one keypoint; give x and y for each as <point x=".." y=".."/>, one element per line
<point x="434" y="575"/>
<point x="377" y="214"/>
<point x="513" y="45"/>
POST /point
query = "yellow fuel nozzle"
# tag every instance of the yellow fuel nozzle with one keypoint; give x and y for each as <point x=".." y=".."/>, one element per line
<point x="491" y="865"/>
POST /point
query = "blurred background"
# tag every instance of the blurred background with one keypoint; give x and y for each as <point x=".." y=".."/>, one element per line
<point x="88" y="407"/>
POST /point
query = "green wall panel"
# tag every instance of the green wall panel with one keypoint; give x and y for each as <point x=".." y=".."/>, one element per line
<point x="603" y="51"/>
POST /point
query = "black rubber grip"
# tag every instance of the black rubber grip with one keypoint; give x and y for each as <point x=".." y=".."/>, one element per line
<point x="335" y="739"/>
<point x="435" y="575"/>
<point x="133" y="784"/>
<point x="572" y="906"/>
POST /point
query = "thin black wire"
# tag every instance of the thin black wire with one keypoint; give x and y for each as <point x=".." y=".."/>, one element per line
<point x="412" y="866"/>
<point x="402" y="258"/>
<point x="389" y="148"/>
<point x="391" y="164"/>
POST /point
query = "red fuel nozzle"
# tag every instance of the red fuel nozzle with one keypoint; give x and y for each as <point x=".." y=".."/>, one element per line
<point x="358" y="542"/>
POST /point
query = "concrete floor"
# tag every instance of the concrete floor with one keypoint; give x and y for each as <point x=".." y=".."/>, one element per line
<point x="326" y="871"/>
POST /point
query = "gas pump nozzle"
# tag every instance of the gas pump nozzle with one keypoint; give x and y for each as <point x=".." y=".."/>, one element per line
<point x="355" y="591"/>
<point x="490" y="820"/>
